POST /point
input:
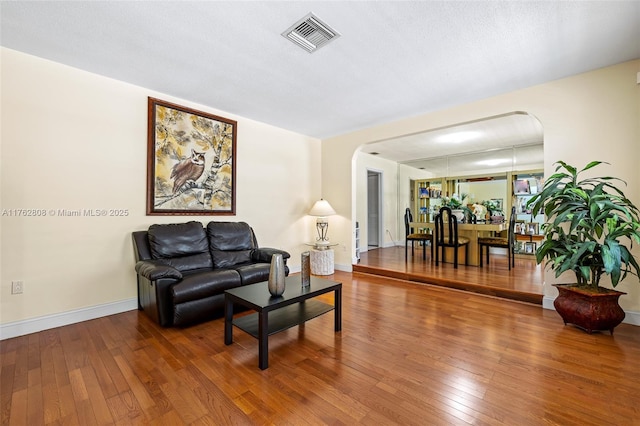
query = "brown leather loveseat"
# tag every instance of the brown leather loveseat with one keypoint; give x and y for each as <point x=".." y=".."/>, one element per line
<point x="183" y="269"/>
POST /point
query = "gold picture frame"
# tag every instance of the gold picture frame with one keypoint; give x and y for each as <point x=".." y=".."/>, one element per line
<point x="191" y="161"/>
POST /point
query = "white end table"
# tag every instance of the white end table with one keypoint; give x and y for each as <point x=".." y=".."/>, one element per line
<point x="322" y="261"/>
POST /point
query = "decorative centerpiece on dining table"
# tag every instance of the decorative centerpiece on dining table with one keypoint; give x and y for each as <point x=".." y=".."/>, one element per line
<point x="493" y="209"/>
<point x="480" y="211"/>
<point x="457" y="206"/>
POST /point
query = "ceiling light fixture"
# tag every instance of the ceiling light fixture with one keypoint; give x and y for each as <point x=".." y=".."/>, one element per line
<point x="458" y="137"/>
<point x="493" y="162"/>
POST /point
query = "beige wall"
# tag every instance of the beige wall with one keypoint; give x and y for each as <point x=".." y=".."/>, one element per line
<point x="590" y="116"/>
<point x="75" y="140"/>
<point x="389" y="171"/>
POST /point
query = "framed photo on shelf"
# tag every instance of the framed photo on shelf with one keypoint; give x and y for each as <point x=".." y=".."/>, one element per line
<point x="532" y="228"/>
<point x="521" y="187"/>
<point x="191" y="161"/>
<point x="530" y="247"/>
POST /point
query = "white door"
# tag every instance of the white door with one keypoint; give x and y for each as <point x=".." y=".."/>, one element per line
<point x="374" y="216"/>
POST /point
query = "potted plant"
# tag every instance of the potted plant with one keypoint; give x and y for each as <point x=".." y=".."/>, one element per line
<point x="457" y="206"/>
<point x="495" y="212"/>
<point x="587" y="224"/>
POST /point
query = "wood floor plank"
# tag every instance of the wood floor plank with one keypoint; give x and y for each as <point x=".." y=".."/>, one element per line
<point x="51" y="404"/>
<point x="124" y="408"/>
<point x="35" y="404"/>
<point x="138" y="389"/>
<point x="21" y="369"/>
<point x="85" y="412"/>
<point x="98" y="398"/>
<point x="408" y="353"/>
<point x="19" y="403"/>
<point x="67" y="404"/>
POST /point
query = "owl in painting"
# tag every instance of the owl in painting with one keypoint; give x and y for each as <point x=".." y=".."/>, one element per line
<point x="189" y="169"/>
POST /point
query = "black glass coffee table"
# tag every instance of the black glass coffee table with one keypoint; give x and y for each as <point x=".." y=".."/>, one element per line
<point x="275" y="314"/>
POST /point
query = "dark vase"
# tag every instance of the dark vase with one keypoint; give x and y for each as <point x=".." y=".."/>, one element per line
<point x="589" y="310"/>
<point x="276" y="275"/>
<point x="305" y="272"/>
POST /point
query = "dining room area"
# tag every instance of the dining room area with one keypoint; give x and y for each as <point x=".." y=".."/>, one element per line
<point x="449" y="207"/>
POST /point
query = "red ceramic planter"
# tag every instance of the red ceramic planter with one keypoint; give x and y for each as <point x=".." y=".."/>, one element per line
<point x="591" y="311"/>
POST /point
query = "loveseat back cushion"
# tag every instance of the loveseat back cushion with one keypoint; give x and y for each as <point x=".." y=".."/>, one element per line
<point x="230" y="243"/>
<point x="181" y="245"/>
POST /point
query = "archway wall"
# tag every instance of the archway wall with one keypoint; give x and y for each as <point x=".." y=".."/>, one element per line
<point x="590" y="116"/>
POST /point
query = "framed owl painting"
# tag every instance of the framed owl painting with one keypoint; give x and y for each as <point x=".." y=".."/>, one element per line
<point x="191" y="164"/>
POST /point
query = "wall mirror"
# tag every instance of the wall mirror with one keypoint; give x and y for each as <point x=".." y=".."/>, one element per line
<point x="496" y="144"/>
<point x="480" y="158"/>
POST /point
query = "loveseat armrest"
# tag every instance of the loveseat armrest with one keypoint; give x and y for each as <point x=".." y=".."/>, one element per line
<point x="154" y="271"/>
<point x="263" y="254"/>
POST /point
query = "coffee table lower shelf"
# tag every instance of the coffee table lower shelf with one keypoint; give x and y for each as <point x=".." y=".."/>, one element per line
<point x="283" y="318"/>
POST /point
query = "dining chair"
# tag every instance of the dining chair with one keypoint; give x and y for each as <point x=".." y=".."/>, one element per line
<point x="446" y="235"/>
<point x="409" y="235"/>
<point x="509" y="242"/>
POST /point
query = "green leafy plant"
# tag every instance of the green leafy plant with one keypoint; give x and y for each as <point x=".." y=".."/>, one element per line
<point x="455" y="202"/>
<point x="458" y="203"/>
<point x="492" y="207"/>
<point x="587" y="221"/>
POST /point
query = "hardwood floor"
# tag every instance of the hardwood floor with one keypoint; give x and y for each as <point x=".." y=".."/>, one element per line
<point x="523" y="283"/>
<point x="408" y="353"/>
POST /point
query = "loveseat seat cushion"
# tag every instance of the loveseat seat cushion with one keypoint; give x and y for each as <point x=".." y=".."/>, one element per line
<point x="253" y="273"/>
<point x="204" y="284"/>
<point x="183" y="246"/>
<point x="230" y="243"/>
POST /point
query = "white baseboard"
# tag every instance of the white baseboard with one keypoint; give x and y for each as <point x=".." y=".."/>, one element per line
<point x="547" y="302"/>
<point x="631" y="317"/>
<point x="33" y="325"/>
<point x="344" y="268"/>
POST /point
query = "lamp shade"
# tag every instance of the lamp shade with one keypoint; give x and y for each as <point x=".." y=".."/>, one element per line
<point x="322" y="208"/>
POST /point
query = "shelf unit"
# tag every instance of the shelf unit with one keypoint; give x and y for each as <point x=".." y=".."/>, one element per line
<point x="428" y="199"/>
<point x="525" y="186"/>
<point x="533" y="184"/>
<point x="357" y="241"/>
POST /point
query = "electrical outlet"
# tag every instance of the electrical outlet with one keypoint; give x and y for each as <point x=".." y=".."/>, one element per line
<point x="17" y="287"/>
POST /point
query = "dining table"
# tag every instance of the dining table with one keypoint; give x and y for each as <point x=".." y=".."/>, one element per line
<point x="473" y="231"/>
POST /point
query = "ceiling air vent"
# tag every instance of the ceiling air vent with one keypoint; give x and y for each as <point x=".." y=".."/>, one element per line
<point x="310" y="33"/>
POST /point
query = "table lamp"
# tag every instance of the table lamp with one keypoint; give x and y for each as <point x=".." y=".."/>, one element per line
<point x="322" y="209"/>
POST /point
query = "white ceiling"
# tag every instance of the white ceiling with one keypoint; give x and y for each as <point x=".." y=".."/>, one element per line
<point x="394" y="59"/>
